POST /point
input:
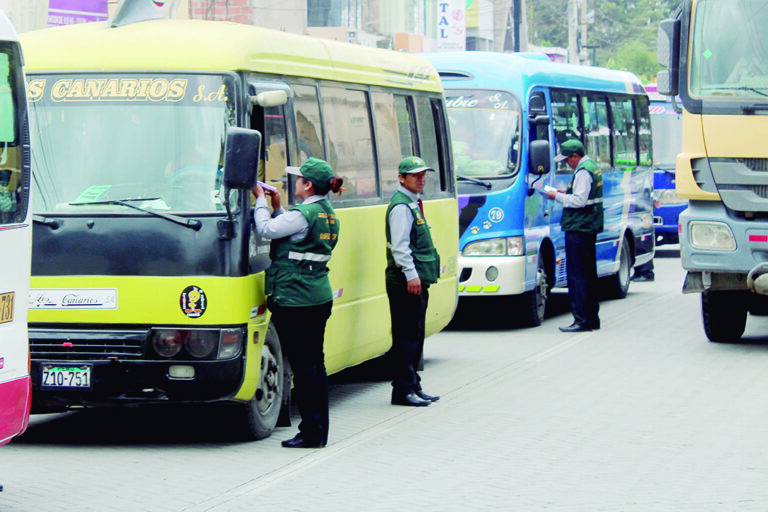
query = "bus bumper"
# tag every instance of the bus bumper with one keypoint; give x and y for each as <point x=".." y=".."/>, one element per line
<point x="491" y="275"/>
<point x="126" y="379"/>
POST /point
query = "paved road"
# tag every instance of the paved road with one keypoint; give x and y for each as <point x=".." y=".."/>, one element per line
<point x="643" y="415"/>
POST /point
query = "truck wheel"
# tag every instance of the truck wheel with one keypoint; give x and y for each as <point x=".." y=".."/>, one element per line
<point x="534" y="302"/>
<point x="262" y="411"/>
<point x="724" y="314"/>
<point x="616" y="286"/>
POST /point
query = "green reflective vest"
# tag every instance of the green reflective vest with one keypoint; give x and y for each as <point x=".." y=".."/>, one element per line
<point x="423" y="251"/>
<point x="588" y="218"/>
<point x="298" y="275"/>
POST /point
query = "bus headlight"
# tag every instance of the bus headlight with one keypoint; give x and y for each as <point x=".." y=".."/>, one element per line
<point x="669" y="196"/>
<point x="167" y="342"/>
<point x="509" y="246"/>
<point x="713" y="236"/>
<point x="200" y="344"/>
<point x="230" y="343"/>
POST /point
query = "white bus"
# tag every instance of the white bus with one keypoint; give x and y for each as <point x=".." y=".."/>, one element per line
<point x="15" y="238"/>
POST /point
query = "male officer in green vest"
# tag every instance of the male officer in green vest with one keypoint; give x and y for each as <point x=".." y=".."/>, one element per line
<point x="412" y="265"/>
<point x="582" y="220"/>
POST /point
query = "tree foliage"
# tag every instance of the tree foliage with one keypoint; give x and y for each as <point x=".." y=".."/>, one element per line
<point x="624" y="31"/>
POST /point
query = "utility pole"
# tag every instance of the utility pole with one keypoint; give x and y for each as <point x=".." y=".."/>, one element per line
<point x="516" y="15"/>
<point x="573" y="20"/>
<point x="523" y="27"/>
<point x="583" y="39"/>
<point x="501" y="18"/>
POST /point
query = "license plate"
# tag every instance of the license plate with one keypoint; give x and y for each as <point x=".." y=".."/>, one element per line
<point x="62" y="376"/>
<point x="6" y="307"/>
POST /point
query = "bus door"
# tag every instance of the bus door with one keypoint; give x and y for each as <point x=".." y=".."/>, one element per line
<point x="565" y="125"/>
<point x="538" y="209"/>
<point x="268" y="103"/>
<point x="15" y="239"/>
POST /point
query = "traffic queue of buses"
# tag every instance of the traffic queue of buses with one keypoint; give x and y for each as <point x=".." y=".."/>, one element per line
<point x="147" y="280"/>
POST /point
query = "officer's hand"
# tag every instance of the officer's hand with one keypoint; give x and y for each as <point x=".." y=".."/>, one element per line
<point x="258" y="191"/>
<point x="414" y="286"/>
<point x="276" y="201"/>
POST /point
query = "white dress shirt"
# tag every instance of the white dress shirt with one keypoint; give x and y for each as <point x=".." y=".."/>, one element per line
<point x="582" y="184"/>
<point x="400" y="224"/>
<point x="283" y="222"/>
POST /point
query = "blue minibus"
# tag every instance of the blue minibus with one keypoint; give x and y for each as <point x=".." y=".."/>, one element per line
<point x="508" y="116"/>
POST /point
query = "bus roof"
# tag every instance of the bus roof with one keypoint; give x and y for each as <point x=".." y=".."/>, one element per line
<point x="191" y="45"/>
<point x="519" y="73"/>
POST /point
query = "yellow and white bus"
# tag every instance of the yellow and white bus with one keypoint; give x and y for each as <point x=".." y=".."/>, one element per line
<point x="716" y="60"/>
<point x="147" y="275"/>
<point x="15" y="238"/>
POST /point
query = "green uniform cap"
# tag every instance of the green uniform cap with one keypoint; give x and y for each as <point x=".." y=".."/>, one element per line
<point x="317" y="171"/>
<point x="569" y="148"/>
<point x="412" y="165"/>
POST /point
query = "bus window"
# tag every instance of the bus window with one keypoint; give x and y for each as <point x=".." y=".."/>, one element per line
<point x="644" y="131"/>
<point x="350" y="143"/>
<point x="596" y="129"/>
<point x="10" y="167"/>
<point x="565" y="120"/>
<point x="623" y="132"/>
<point x="428" y="142"/>
<point x="275" y="153"/>
<point x="308" y="124"/>
<point x="395" y="127"/>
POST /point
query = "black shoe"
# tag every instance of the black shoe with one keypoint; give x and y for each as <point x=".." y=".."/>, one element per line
<point x="299" y="442"/>
<point x="644" y="277"/>
<point x="574" y="327"/>
<point x="410" y="398"/>
<point x="428" y="398"/>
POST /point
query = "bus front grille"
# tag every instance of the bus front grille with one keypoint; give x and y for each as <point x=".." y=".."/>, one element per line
<point x="86" y="345"/>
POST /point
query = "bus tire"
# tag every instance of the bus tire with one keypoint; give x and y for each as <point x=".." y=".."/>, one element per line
<point x="534" y="302"/>
<point x="724" y="315"/>
<point x="616" y="286"/>
<point x="263" y="410"/>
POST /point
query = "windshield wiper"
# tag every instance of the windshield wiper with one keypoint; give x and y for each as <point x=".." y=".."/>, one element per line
<point x="474" y="180"/>
<point x="51" y="223"/>
<point x="751" y="109"/>
<point x="187" y="223"/>
<point x="750" y="89"/>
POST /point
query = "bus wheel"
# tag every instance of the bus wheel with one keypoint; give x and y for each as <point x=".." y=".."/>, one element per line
<point x="724" y="314"/>
<point x="534" y="302"/>
<point x="617" y="285"/>
<point x="263" y="410"/>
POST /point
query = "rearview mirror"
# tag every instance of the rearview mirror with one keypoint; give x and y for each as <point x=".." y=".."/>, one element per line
<point x="668" y="53"/>
<point x="538" y="157"/>
<point x="270" y="99"/>
<point x="241" y="160"/>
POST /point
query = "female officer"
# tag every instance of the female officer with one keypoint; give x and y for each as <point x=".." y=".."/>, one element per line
<point x="300" y="295"/>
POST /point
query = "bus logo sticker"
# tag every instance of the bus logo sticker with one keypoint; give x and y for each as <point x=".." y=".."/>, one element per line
<point x="487" y="224"/>
<point x="475" y="230"/>
<point x="496" y="214"/>
<point x="193" y="301"/>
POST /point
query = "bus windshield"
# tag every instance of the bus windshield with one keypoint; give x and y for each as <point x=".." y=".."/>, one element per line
<point x="729" y="54"/>
<point x="156" y="140"/>
<point x="485" y="130"/>
<point x="667" y="130"/>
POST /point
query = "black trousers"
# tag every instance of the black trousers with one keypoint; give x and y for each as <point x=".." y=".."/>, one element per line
<point x="301" y="330"/>
<point x="408" y="313"/>
<point x="581" y="267"/>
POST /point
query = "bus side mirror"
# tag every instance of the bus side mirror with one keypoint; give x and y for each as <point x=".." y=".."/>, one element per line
<point x="669" y="56"/>
<point x="538" y="157"/>
<point x="241" y="160"/>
